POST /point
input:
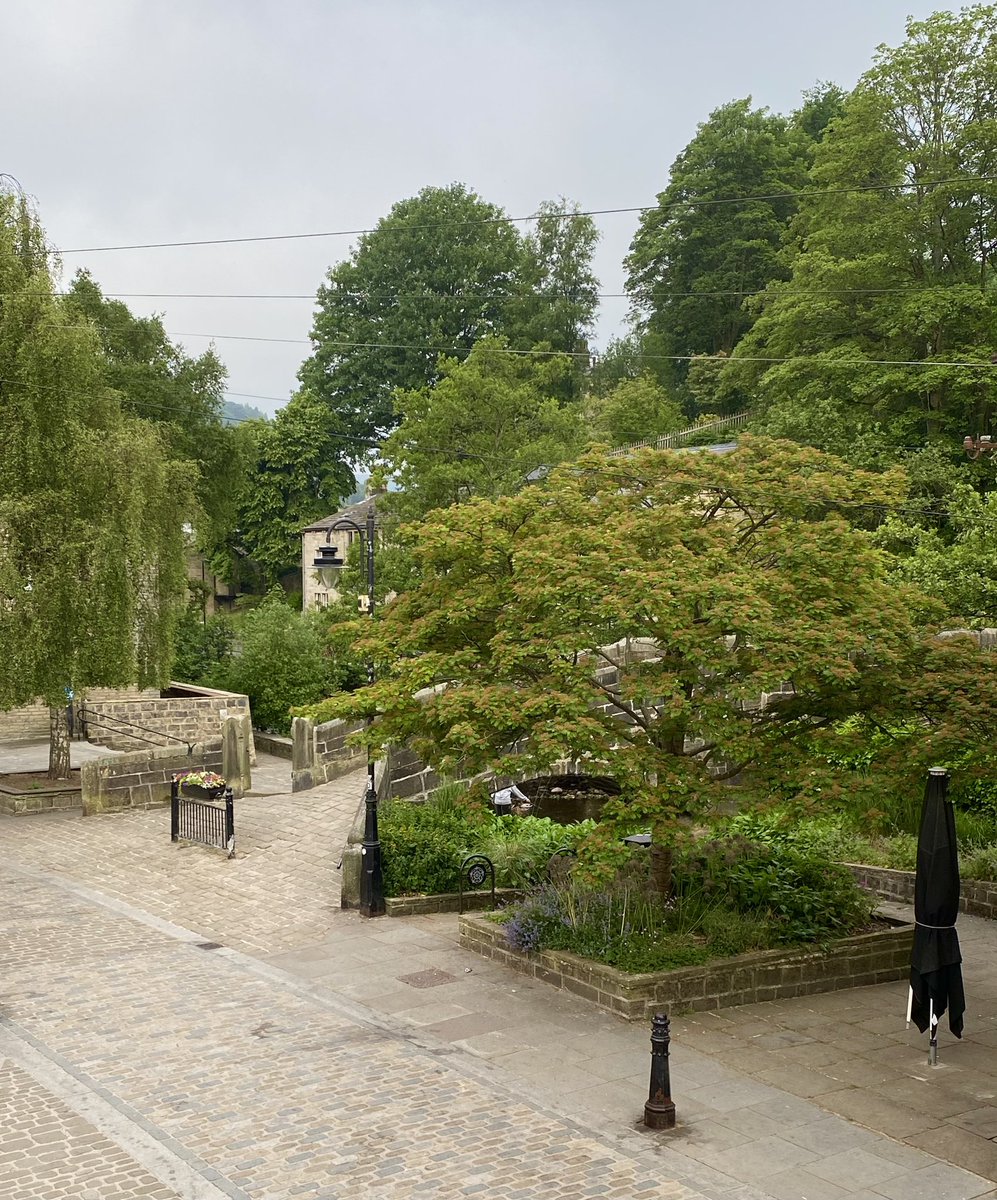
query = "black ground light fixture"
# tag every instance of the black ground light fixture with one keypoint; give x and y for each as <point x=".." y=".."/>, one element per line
<point x="936" y="960"/>
<point x="371" y="874"/>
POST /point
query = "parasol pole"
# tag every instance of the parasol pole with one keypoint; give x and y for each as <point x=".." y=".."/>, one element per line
<point x="933" y="1038"/>
<point x="910" y="1004"/>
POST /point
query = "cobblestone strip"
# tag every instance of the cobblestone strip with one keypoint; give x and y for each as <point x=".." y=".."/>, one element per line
<point x="49" y="1152"/>
<point x="281" y="1096"/>
<point x="115" y="1133"/>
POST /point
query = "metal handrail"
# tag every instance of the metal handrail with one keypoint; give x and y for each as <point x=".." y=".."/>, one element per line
<point x="87" y="718"/>
<point x="668" y="440"/>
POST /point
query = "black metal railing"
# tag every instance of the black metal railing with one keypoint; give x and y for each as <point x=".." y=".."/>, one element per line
<point x="193" y="820"/>
<point x="89" y="716"/>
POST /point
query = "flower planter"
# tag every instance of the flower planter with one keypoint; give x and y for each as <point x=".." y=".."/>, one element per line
<point x="195" y="792"/>
<point x="858" y="961"/>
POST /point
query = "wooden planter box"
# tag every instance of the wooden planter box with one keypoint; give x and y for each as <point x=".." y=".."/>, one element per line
<point x="868" y="958"/>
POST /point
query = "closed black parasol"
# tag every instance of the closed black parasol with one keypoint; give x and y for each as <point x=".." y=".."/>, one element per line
<point x="935" y="965"/>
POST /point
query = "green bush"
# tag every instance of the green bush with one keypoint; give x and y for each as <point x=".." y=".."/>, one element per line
<point x="627" y="929"/>
<point x="520" y="848"/>
<point x="200" y="647"/>
<point x="422" y="847"/>
<point x="280" y="661"/>
<point x="808" y="897"/>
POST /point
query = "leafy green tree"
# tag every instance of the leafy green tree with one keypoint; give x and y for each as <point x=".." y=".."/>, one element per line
<point x="156" y="380"/>
<point x="894" y="260"/>
<point x="636" y="410"/>
<point x="557" y="292"/>
<point x="957" y="563"/>
<point x="487" y="423"/>
<point x="630" y="614"/>
<point x="201" y="647"/>
<point x="281" y="659"/>
<point x="92" y="506"/>
<point x="298" y="474"/>
<point x="437" y="273"/>
<point x="696" y="257"/>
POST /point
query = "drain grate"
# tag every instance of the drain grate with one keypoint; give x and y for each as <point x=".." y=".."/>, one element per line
<point x="427" y="979"/>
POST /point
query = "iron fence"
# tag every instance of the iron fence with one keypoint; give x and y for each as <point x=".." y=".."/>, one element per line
<point x="193" y="820"/>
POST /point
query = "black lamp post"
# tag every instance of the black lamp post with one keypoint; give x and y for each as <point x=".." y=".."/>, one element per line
<point x="371" y="875"/>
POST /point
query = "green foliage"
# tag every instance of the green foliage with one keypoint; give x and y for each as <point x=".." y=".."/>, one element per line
<point x="299" y="473"/>
<point x="92" y="503"/>
<point x="422" y="848"/>
<point x="883" y="270"/>
<point x="201" y="648"/>
<point x="957" y="566"/>
<point x="636" y="410"/>
<point x="280" y="660"/>
<point x="442" y="271"/>
<point x="691" y="265"/>
<point x="521" y="848"/>
<point x="629" y="929"/>
<point x="807" y="897"/>
<point x="500" y="411"/>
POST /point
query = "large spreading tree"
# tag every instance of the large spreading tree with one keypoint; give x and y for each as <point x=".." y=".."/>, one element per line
<point x="631" y="613"/>
<point x="714" y="238"/>
<point x="92" y="506"/>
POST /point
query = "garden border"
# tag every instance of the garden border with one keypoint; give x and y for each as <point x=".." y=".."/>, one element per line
<point x="858" y="961"/>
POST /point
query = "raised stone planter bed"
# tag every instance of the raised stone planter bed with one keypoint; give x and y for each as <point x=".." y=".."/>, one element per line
<point x="978" y="896"/>
<point x="16" y="799"/>
<point x="868" y="958"/>
<point x="447" y="902"/>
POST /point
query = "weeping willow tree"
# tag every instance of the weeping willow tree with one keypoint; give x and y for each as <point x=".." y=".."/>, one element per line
<point x="92" y="510"/>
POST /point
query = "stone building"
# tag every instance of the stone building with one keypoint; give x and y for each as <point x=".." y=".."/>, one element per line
<point x="316" y="591"/>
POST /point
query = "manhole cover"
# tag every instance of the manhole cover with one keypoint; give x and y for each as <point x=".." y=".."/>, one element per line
<point x="427" y="979"/>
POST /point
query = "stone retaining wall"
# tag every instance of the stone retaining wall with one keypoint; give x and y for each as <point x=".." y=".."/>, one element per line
<point x="447" y="902"/>
<point x="272" y="743"/>
<point x="141" y="778"/>
<point x="978" y="897"/>
<point x="32" y="721"/>
<point x="191" y="714"/>
<point x="870" y="958"/>
<point x="320" y="752"/>
<point x="23" y="803"/>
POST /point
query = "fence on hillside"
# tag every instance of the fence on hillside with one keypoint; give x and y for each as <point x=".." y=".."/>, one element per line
<point x="669" y="441"/>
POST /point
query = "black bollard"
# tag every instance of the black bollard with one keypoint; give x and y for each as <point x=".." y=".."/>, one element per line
<point x="659" y="1111"/>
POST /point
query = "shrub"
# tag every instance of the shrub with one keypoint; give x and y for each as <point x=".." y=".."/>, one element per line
<point x="808" y="897"/>
<point x="630" y="930"/>
<point x="422" y="845"/>
<point x="281" y="661"/>
<point x="521" y="848"/>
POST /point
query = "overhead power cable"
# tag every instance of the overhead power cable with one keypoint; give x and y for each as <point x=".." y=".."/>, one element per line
<point x="364" y="293"/>
<point x="787" y="194"/>
<point x="585" y="354"/>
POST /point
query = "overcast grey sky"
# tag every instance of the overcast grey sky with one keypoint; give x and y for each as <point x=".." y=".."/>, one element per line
<point x="137" y="122"/>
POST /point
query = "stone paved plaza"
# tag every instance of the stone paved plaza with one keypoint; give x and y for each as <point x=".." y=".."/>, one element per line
<point x="316" y="1054"/>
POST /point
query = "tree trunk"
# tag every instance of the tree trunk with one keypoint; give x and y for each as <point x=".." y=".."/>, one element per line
<point x="58" y="744"/>
<point x="661" y="864"/>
